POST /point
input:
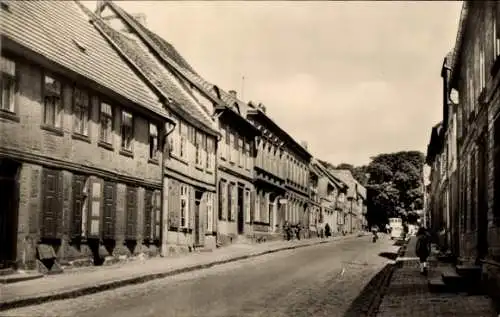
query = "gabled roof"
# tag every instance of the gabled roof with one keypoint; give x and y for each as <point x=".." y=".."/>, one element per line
<point x="175" y="59"/>
<point x="60" y="31"/>
<point x="262" y="117"/>
<point x="347" y="178"/>
<point x="181" y="101"/>
<point x="165" y="51"/>
<point x="338" y="182"/>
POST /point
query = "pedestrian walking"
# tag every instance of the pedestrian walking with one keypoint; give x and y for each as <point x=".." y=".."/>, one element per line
<point x="328" y="231"/>
<point x="423" y="249"/>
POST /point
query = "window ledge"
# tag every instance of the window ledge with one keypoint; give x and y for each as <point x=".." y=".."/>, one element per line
<point x="209" y="172"/>
<point x="105" y="145"/>
<point x="185" y="230"/>
<point x="12" y="116"/>
<point x="127" y="153"/>
<point x="198" y="167"/>
<point x="153" y="161"/>
<point x="180" y="159"/>
<point x="54" y="130"/>
<point x="81" y="137"/>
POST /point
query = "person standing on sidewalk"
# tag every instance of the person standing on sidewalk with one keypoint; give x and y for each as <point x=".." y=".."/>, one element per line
<point x="423" y="249"/>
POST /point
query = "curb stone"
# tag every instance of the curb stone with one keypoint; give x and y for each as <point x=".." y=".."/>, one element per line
<point x="384" y="285"/>
<point x="88" y="290"/>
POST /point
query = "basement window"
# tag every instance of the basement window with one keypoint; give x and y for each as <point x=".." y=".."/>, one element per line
<point x="80" y="45"/>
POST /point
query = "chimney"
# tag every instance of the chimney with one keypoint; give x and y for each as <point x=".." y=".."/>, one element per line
<point x="304" y="144"/>
<point x="262" y="107"/>
<point x="141" y="18"/>
<point x="233" y="93"/>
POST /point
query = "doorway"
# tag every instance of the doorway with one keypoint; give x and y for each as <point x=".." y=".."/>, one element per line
<point x="241" y="214"/>
<point x="9" y="204"/>
<point x="482" y="216"/>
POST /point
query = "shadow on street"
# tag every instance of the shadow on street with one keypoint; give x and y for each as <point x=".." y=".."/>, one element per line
<point x="399" y="243"/>
<point x="389" y="255"/>
<point x="369" y="298"/>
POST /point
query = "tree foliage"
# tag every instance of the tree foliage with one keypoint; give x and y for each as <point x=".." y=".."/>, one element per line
<point x="395" y="186"/>
<point x="393" y="182"/>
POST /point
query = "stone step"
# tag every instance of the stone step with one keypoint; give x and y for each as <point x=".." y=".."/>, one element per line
<point x="437" y="285"/>
<point x="7" y="271"/>
<point x="19" y="277"/>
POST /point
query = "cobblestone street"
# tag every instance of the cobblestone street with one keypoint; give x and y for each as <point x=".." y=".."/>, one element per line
<point x="408" y="294"/>
<point x="321" y="280"/>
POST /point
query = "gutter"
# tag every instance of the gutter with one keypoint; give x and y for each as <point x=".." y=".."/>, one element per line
<point x="162" y="203"/>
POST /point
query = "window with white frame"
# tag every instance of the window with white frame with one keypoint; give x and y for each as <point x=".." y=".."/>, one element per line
<point x="127" y="130"/>
<point x="52" y="108"/>
<point x="257" y="206"/>
<point x="183" y="129"/>
<point x="198" y="147"/>
<point x="153" y="141"/>
<point x="248" y="155"/>
<point x="81" y="111"/>
<point x="210" y="211"/>
<point x="233" y="144"/>
<point x="241" y="152"/>
<point x="223" y="143"/>
<point x="8" y="82"/>
<point x="106" y="123"/>
<point x="230" y="201"/>
<point x="210" y="162"/>
<point x="184" y="206"/>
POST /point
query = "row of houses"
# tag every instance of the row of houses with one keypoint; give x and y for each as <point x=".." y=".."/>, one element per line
<point x="463" y="153"/>
<point x="112" y="145"/>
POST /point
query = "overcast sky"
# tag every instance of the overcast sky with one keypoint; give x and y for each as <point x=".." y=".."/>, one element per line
<point x="353" y="79"/>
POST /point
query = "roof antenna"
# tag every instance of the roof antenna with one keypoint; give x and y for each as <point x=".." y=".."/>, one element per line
<point x="243" y="88"/>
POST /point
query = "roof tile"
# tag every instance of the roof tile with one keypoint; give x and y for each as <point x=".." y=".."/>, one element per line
<point x="185" y="105"/>
<point x="56" y="29"/>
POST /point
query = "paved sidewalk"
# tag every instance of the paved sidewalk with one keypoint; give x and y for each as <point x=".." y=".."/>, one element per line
<point x="408" y="294"/>
<point x="96" y="279"/>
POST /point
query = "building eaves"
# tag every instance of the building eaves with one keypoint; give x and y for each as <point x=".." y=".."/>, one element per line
<point x="259" y="114"/>
<point x="179" y="100"/>
<point x="76" y="46"/>
<point x="459" y="40"/>
<point x="164" y="50"/>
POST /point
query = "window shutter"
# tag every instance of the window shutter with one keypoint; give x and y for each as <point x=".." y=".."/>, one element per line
<point x="78" y="205"/>
<point x="174" y="204"/>
<point x="220" y="200"/>
<point x="59" y="205"/>
<point x="234" y="205"/>
<point x="148" y="204"/>
<point x="157" y="215"/>
<point x="50" y="204"/>
<point x="108" y="230"/>
<point x="130" y="232"/>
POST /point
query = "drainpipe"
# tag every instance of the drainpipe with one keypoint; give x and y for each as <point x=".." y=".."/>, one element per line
<point x="215" y="117"/>
<point x="166" y="150"/>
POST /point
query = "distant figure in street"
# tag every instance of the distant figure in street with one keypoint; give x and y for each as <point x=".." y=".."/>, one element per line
<point x="328" y="231"/>
<point x="288" y="230"/>
<point x="298" y="228"/>
<point x="423" y="248"/>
